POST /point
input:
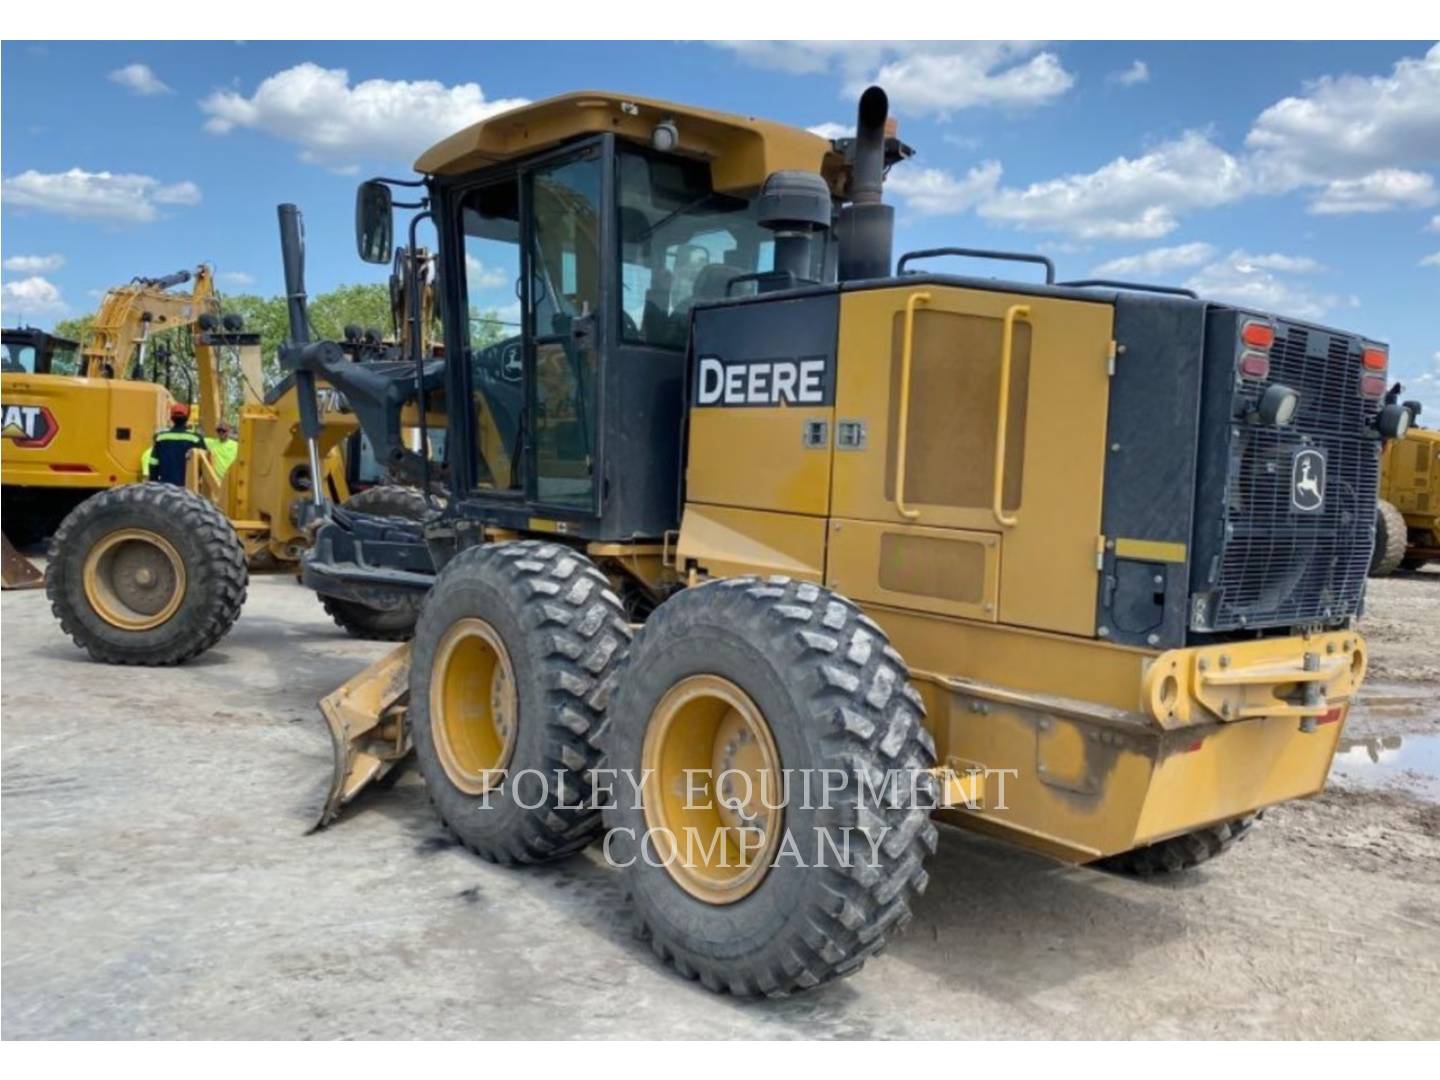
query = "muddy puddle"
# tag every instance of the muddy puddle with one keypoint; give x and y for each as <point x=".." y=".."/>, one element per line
<point x="1409" y="762"/>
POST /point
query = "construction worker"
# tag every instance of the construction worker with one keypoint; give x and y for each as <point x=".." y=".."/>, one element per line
<point x="223" y="448"/>
<point x="167" y="457"/>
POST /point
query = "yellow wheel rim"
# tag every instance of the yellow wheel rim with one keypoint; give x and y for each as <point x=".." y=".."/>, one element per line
<point x="712" y="788"/>
<point x="134" y="579"/>
<point x="473" y="705"/>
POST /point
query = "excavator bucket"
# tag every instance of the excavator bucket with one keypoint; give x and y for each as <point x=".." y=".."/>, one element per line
<point x="19" y="572"/>
<point x="366" y="718"/>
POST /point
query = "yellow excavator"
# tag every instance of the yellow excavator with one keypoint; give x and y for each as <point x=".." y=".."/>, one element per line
<point x="70" y="435"/>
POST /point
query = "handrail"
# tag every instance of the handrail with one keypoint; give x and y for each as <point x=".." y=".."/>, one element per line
<point x="903" y="420"/>
<point x="1007" y="349"/>
<point x="980" y="253"/>
<point x="1130" y="286"/>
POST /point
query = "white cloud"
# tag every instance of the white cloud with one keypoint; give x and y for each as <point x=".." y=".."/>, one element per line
<point x="1128" y="199"/>
<point x="1360" y="144"/>
<point x="128" y="197"/>
<point x="1348" y="126"/>
<point x="922" y="76"/>
<point x="139" y="79"/>
<point x="1261" y="281"/>
<point x="338" y="125"/>
<point x="1424" y="387"/>
<point x="972" y="75"/>
<point x="34" y="264"/>
<point x="1434" y="225"/>
<point x="1431" y="260"/>
<point x="237" y="279"/>
<point x="831" y="130"/>
<point x="1381" y="190"/>
<point x="31" y="298"/>
<point x="935" y="191"/>
<point x="1134" y="75"/>
<point x="479" y="276"/>
<point x="1156" y="262"/>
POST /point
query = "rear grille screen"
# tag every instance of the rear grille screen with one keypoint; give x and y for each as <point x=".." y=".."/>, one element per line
<point x="1281" y="565"/>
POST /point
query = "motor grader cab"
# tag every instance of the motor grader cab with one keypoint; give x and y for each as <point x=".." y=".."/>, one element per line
<point x="1407" y="522"/>
<point x="1074" y="564"/>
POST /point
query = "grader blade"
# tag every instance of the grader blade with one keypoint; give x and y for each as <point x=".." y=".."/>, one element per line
<point x="18" y="571"/>
<point x="366" y="718"/>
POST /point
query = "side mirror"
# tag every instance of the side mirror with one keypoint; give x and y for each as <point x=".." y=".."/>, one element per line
<point x="374" y="222"/>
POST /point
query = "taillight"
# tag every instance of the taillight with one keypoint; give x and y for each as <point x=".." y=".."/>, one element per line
<point x="1374" y="359"/>
<point x="1254" y="365"/>
<point x="1258" y="335"/>
<point x="1372" y="385"/>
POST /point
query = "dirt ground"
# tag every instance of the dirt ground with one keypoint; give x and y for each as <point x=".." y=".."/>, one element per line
<point x="158" y="882"/>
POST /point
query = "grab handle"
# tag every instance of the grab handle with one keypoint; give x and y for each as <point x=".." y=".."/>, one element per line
<point x="1007" y="350"/>
<point x="903" y="421"/>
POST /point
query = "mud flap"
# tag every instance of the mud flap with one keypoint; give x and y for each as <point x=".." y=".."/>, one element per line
<point x="18" y="571"/>
<point x="366" y="719"/>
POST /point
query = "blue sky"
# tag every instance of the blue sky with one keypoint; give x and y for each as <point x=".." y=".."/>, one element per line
<point x="1295" y="176"/>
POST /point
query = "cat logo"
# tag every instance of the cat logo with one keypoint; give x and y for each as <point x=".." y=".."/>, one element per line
<point x="32" y="427"/>
<point x="1307" y="481"/>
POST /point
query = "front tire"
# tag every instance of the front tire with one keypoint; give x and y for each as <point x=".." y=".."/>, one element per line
<point x="148" y="574"/>
<point x="1389" y="539"/>
<point x="396" y="623"/>
<point x="514" y="659"/>
<point x="750" y="677"/>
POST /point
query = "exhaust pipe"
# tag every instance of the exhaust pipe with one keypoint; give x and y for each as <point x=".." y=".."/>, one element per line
<point x="867" y="225"/>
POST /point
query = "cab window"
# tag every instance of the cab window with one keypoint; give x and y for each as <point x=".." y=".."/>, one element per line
<point x="680" y="243"/>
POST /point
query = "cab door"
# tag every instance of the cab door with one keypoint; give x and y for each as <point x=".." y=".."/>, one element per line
<point x="562" y="289"/>
<point x="936" y="505"/>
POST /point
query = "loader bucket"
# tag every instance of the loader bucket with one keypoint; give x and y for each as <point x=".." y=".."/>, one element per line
<point x="19" y="572"/>
<point x="366" y="718"/>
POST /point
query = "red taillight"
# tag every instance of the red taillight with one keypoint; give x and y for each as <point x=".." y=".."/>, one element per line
<point x="1260" y="335"/>
<point x="68" y="467"/>
<point x="1254" y="365"/>
<point x="1375" y="359"/>
<point x="1332" y="716"/>
<point x="1372" y="385"/>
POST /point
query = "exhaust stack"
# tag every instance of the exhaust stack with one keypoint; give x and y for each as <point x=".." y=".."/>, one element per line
<point x="867" y="226"/>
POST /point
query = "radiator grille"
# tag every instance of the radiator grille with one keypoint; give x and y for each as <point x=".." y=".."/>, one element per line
<point x="1281" y="566"/>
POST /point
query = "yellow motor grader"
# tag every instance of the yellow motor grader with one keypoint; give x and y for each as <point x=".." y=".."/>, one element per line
<point x="1407" y="521"/>
<point x="762" y="547"/>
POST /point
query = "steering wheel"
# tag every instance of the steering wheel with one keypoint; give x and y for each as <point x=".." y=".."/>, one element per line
<point x="632" y="328"/>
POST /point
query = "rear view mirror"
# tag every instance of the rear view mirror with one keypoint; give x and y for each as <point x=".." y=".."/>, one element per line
<point x="374" y="222"/>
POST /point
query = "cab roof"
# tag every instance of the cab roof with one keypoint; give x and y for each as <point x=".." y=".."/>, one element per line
<point x="742" y="150"/>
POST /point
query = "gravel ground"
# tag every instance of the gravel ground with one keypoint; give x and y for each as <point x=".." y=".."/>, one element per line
<point x="158" y="882"/>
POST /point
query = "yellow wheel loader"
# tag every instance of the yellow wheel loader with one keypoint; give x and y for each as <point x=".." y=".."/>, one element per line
<point x="761" y="549"/>
<point x="1407" y="526"/>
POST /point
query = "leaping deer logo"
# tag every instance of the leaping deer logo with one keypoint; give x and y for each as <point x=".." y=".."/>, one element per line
<point x="1308" y="487"/>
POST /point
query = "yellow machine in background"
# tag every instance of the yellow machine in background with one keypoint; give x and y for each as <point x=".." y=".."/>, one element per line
<point x="75" y="434"/>
<point x="1408" y="529"/>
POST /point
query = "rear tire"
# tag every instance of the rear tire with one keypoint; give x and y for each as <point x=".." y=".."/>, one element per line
<point x="148" y="574"/>
<point x="832" y="695"/>
<point x="1180" y="853"/>
<point x="1389" y="539"/>
<point x="381" y="624"/>
<point x="515" y="655"/>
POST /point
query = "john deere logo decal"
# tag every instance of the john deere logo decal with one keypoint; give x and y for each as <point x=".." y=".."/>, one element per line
<point x="30" y="426"/>
<point x="1307" y="481"/>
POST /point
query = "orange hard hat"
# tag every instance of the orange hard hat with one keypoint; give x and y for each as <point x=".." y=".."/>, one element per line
<point x="179" y="411"/>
